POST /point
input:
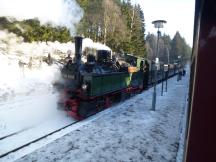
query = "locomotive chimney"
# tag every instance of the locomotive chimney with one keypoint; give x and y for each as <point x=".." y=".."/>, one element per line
<point x="78" y="49"/>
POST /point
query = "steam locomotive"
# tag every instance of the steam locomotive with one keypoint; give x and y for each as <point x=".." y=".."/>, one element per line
<point x="93" y="86"/>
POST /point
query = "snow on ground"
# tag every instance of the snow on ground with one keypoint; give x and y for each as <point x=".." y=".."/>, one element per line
<point x="27" y="96"/>
<point x="32" y="132"/>
<point x="28" y="100"/>
<point x="129" y="132"/>
<point x="126" y="132"/>
<point x="28" y="103"/>
<point x="183" y="131"/>
<point x="180" y="154"/>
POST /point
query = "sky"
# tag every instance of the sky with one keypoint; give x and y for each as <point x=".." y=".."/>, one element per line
<point x="179" y="15"/>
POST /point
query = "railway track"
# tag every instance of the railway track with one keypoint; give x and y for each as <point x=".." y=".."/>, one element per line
<point x="36" y="140"/>
<point x="33" y="141"/>
<point x="14" y="133"/>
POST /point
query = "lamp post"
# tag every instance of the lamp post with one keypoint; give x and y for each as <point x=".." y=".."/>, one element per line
<point x="167" y="67"/>
<point x="162" y="84"/>
<point x="157" y="24"/>
<point x="179" y="67"/>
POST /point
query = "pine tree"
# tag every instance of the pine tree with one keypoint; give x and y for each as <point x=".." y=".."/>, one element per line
<point x="136" y="25"/>
<point x="179" y="47"/>
<point x="169" y="50"/>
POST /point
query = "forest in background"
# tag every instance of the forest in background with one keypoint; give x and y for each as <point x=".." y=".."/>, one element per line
<point x="116" y="23"/>
<point x="169" y="49"/>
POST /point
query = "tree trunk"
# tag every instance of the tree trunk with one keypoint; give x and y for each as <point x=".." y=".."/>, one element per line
<point x="132" y="24"/>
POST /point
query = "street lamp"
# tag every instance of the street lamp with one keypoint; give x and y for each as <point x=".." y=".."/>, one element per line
<point x="179" y="68"/>
<point x="157" y="24"/>
<point x="166" y="66"/>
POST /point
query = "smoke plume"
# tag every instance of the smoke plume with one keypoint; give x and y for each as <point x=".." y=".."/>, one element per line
<point x="57" y="12"/>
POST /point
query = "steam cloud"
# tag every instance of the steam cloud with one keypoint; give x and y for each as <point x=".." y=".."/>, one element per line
<point x="37" y="82"/>
<point x="57" y="12"/>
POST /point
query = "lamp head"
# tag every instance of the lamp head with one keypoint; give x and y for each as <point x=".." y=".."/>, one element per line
<point x="158" y="23"/>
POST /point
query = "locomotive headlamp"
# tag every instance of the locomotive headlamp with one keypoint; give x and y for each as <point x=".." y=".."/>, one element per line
<point x="84" y="86"/>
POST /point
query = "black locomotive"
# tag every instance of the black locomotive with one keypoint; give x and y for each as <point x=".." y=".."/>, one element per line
<point x="92" y="86"/>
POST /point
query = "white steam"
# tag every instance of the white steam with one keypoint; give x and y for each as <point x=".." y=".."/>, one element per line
<point x="57" y="12"/>
<point x="29" y="91"/>
<point x="16" y="80"/>
<point x="21" y="80"/>
<point x="87" y="42"/>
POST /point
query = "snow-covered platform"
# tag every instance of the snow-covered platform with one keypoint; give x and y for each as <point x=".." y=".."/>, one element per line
<point x="129" y="131"/>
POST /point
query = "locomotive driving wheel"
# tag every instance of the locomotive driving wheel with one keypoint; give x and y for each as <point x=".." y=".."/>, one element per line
<point x="87" y="108"/>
